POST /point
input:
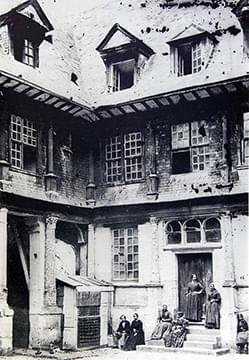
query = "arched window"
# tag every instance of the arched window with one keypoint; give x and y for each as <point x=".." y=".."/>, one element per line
<point x="212" y="230"/>
<point x="193" y="231"/>
<point x="173" y="231"/>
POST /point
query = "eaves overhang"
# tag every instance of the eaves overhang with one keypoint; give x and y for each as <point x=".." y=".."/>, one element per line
<point x="47" y="97"/>
<point x="174" y="98"/>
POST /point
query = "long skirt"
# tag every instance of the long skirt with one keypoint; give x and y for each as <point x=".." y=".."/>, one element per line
<point x="213" y="315"/>
<point x="242" y="338"/>
<point x="133" y="340"/>
<point x="178" y="337"/>
<point x="194" y="307"/>
<point x="160" y="329"/>
<point x="174" y="338"/>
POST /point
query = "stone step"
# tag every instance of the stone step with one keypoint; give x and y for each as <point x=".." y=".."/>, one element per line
<point x="201" y="344"/>
<point x="187" y="350"/>
<point x="204" y="337"/>
<point x="203" y="330"/>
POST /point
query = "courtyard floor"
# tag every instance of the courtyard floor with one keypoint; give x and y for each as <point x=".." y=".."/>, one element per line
<point x="116" y="354"/>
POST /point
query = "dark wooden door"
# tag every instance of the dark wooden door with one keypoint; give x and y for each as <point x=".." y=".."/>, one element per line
<point x="199" y="264"/>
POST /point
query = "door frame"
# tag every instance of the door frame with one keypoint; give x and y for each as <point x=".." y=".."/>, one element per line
<point x="177" y="253"/>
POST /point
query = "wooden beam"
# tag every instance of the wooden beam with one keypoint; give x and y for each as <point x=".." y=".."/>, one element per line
<point x="202" y="93"/>
<point x="23" y="260"/>
<point x="175" y="98"/>
<point x="139" y="106"/>
<point x="42" y="97"/>
<point x="116" y="111"/>
<point x="128" y="109"/>
<point x="216" y="90"/>
<point x="163" y="101"/>
<point x="22" y="88"/>
<point x="189" y="96"/>
<point x="152" y="104"/>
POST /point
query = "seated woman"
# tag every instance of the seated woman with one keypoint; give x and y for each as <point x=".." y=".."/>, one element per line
<point x="136" y="336"/>
<point x="176" y="336"/>
<point x="122" y="331"/>
<point x="242" y="334"/>
<point x="164" y="322"/>
<point x="213" y="308"/>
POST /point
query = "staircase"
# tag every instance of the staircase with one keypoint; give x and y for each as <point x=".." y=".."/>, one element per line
<point x="199" y="341"/>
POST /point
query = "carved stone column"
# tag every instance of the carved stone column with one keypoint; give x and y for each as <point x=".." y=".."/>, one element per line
<point x="50" y="268"/>
<point x="6" y="315"/>
<point x="228" y="317"/>
<point x="91" y="251"/>
<point x="155" y="276"/>
<point x="36" y="228"/>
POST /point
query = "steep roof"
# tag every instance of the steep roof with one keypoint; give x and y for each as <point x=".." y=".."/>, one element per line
<point x="155" y="23"/>
<point x="28" y="8"/>
<point x="57" y="60"/>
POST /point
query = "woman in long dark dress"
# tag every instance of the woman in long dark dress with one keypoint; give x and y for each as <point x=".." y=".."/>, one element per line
<point x="194" y="299"/>
<point x="242" y="334"/>
<point x="164" y="322"/>
<point x="136" y="336"/>
<point x="122" y="331"/>
<point x="213" y="308"/>
<point x="175" y="336"/>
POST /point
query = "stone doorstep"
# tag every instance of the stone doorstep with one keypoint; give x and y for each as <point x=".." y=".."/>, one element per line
<point x="202" y="330"/>
<point x="201" y="344"/>
<point x="188" y="350"/>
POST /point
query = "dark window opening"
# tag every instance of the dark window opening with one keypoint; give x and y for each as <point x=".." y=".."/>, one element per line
<point x="123" y="75"/>
<point x="181" y="162"/>
<point x="29" y="158"/>
<point x="185" y="59"/>
<point x="173" y="230"/>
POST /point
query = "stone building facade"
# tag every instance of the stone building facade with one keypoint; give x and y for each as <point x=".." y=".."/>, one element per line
<point x="124" y="153"/>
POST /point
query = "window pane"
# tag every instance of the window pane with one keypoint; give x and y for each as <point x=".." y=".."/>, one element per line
<point x="180" y="136"/>
<point x="125" y="255"/>
<point x="23" y="143"/>
<point x="200" y="158"/>
<point x="173" y="232"/>
<point x="212" y="230"/>
<point x="199" y="133"/>
<point x="193" y="231"/>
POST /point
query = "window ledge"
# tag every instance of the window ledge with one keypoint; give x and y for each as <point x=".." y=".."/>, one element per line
<point x="25" y="172"/>
<point x="122" y="183"/>
<point x="136" y="285"/>
<point x="192" y="246"/>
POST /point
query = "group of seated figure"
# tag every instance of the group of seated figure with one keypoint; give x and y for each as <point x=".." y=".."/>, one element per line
<point x="173" y="330"/>
<point x="129" y="335"/>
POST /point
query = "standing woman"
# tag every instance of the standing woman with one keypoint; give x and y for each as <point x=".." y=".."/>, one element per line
<point x="194" y="299"/>
<point x="136" y="336"/>
<point x="213" y="308"/>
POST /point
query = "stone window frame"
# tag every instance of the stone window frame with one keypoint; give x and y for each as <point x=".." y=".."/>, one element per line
<point x="23" y="136"/>
<point x="125" y="254"/>
<point x="123" y="161"/>
<point x="195" y="147"/>
<point x="184" y="236"/>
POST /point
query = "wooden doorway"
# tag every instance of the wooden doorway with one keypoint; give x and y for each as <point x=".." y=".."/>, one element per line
<point x="199" y="264"/>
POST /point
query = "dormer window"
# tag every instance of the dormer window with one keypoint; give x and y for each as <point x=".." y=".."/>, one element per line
<point x="26" y="51"/>
<point x="27" y="27"/>
<point x="123" y="75"/>
<point x="190" y="50"/>
<point x="29" y="53"/>
<point x="122" y="54"/>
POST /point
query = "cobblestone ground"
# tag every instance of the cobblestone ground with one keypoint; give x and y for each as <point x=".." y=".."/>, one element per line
<point x="115" y="354"/>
